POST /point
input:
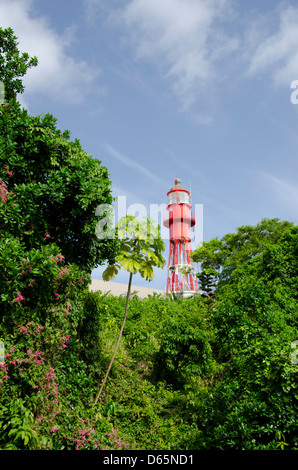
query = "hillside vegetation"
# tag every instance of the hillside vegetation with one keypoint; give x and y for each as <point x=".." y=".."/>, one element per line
<point x="214" y="372"/>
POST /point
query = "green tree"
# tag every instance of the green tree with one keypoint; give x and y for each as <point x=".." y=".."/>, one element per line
<point x="207" y="280"/>
<point x="54" y="187"/>
<point x="254" y="400"/>
<point x="232" y="250"/>
<point x="13" y="64"/>
<point x="140" y="251"/>
<point x="49" y="191"/>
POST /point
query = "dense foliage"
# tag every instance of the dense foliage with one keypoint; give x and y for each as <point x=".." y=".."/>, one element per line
<point x="196" y="374"/>
<point x="255" y="317"/>
<point x="189" y="374"/>
<point x="140" y="250"/>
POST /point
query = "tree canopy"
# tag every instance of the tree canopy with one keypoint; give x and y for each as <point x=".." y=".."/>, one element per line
<point x="13" y="64"/>
<point x="219" y="257"/>
<point x="54" y="186"/>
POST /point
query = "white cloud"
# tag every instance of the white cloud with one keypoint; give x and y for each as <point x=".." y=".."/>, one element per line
<point x="183" y="38"/>
<point x="195" y="52"/>
<point x="58" y="75"/>
<point x="277" y="53"/>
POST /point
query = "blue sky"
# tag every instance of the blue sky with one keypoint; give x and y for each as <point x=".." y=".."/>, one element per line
<point x="199" y="89"/>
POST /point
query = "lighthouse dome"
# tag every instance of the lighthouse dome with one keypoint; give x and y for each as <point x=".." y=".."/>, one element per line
<point x="177" y="185"/>
<point x="178" y="194"/>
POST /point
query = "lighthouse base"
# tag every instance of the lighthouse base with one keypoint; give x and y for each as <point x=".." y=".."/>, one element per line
<point x="181" y="280"/>
<point x="184" y="294"/>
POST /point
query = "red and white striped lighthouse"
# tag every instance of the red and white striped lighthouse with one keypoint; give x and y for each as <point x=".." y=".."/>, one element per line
<point x="181" y="280"/>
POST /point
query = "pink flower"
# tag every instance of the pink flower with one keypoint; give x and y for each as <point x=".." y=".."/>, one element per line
<point x="47" y="235"/>
<point x="57" y="258"/>
<point x="62" y="272"/>
<point x="19" y="298"/>
<point x="54" y="428"/>
<point x="22" y="329"/>
<point x="3" y="190"/>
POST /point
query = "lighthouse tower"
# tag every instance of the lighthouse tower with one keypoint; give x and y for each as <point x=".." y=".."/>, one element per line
<point x="181" y="280"/>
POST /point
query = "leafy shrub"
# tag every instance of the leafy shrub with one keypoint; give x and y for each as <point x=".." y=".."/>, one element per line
<point x="185" y="353"/>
